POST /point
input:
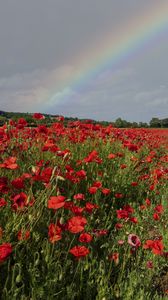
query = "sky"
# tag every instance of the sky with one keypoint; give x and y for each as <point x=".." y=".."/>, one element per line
<point x="51" y="54"/>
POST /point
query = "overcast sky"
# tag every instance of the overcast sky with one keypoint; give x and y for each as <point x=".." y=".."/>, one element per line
<point x="40" y="40"/>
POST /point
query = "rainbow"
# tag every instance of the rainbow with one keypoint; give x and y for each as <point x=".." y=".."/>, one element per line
<point x="118" y="46"/>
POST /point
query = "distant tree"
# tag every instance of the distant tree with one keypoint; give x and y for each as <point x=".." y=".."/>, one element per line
<point x="143" y="125"/>
<point x="155" y="122"/>
<point x="164" y="123"/>
<point x="134" y="125"/>
<point x="119" y="123"/>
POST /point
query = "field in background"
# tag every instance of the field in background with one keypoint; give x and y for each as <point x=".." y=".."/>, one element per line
<point x="83" y="211"/>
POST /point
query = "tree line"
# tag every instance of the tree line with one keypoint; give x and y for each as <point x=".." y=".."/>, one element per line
<point x="49" y="119"/>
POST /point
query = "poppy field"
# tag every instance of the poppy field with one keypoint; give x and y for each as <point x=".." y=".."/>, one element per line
<point x="83" y="211"/>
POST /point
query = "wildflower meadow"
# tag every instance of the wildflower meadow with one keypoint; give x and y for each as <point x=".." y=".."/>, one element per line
<point x="83" y="211"/>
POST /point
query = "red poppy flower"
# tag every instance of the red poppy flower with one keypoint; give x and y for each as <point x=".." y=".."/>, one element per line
<point x="46" y="174"/>
<point x="134" y="183"/>
<point x="123" y="166"/>
<point x="148" y="244"/>
<point x="119" y="195"/>
<point x="111" y="156"/>
<point x="105" y="191"/>
<point x="97" y="184"/>
<point x="21" y="123"/>
<point x="18" y="183"/>
<point x="60" y="118"/>
<point x="156" y="217"/>
<point x="79" y="197"/>
<point x="121" y="242"/>
<point x="38" y="116"/>
<point x="119" y="154"/>
<point x="56" y="202"/>
<point x="79" y="251"/>
<point x="159" y="209"/>
<point x="128" y="208"/>
<point x="114" y="257"/>
<point x="118" y="225"/>
<point x="92" y="190"/>
<point x="26" y="176"/>
<point x="85" y="238"/>
<point x="130" y="146"/>
<point x="68" y="205"/>
<point x="122" y="214"/>
<point x="81" y="174"/>
<point x="23" y="235"/>
<point x="100" y="232"/>
<point x="149" y="264"/>
<point x="89" y="207"/>
<point x="92" y="157"/>
<point x="142" y="207"/>
<point x="20" y="201"/>
<point x="77" y="210"/>
<point x="148" y="202"/>
<point x="152" y="187"/>
<point x="2" y="202"/>
<point x="54" y="233"/>
<point x="134" y="241"/>
<point x="133" y="220"/>
<point x="148" y="159"/>
<point x="9" y="163"/>
<point x="5" y="251"/>
<point x="42" y="129"/>
<point x="76" y="224"/>
<point x="156" y="246"/>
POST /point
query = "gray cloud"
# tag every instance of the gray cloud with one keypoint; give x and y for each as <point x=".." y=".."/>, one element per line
<point x="29" y="91"/>
<point x="41" y="40"/>
<point x="110" y="97"/>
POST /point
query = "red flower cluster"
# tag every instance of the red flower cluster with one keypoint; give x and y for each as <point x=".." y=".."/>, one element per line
<point x="156" y="246"/>
<point x="9" y="163"/>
